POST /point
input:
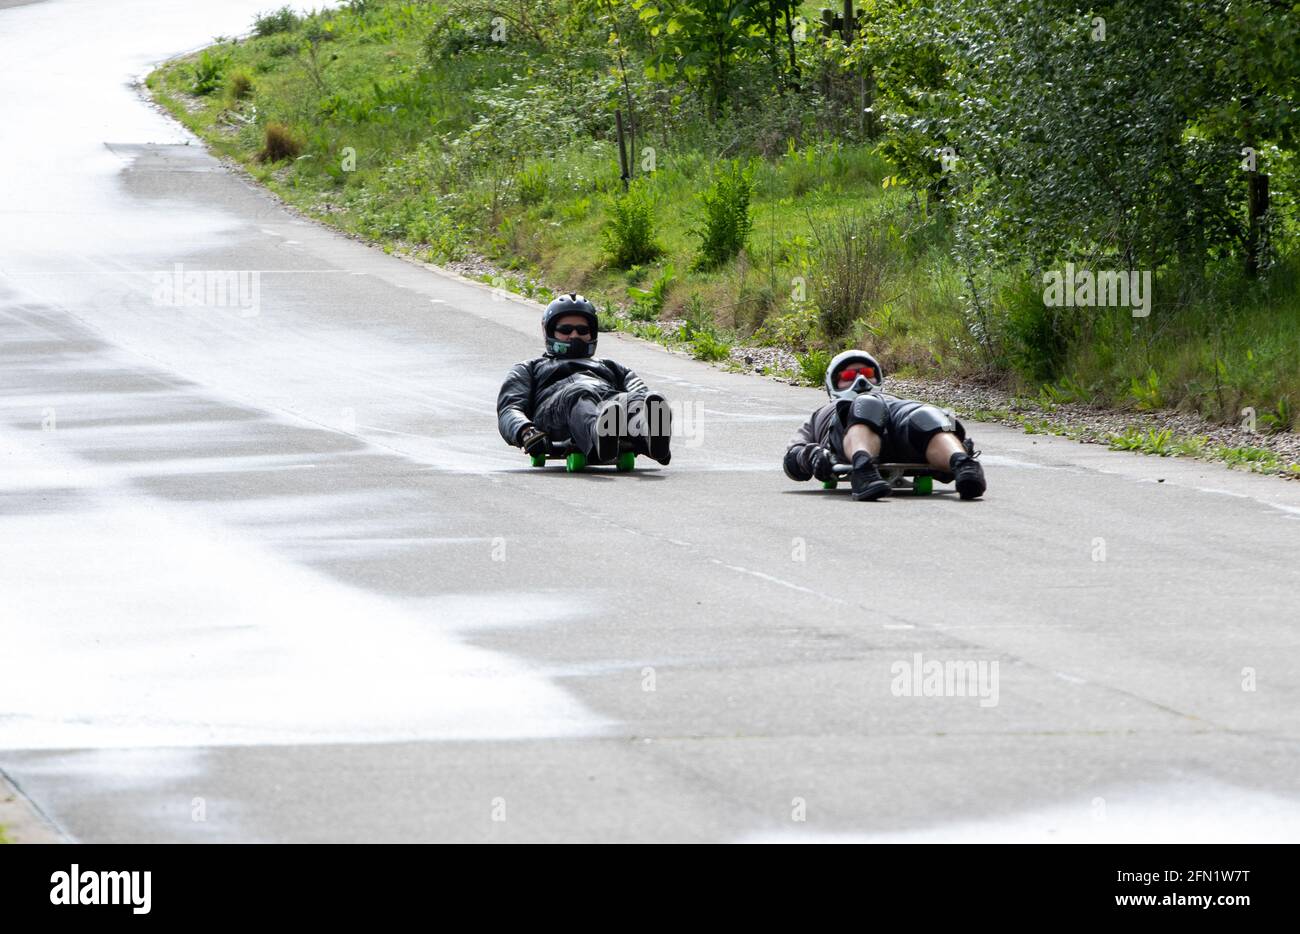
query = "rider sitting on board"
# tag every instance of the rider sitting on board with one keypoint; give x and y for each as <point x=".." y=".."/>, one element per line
<point x="584" y="404"/>
<point x="865" y="427"/>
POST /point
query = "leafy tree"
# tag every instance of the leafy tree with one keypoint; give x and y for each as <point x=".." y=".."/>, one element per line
<point x="774" y="21"/>
<point x="909" y="61"/>
<point x="1253" y="52"/>
<point x="705" y="40"/>
<point x="1070" y="133"/>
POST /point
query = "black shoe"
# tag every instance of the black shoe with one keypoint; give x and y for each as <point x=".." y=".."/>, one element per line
<point x="969" y="476"/>
<point x="611" y="427"/>
<point x="866" y="480"/>
<point x="657" y="427"/>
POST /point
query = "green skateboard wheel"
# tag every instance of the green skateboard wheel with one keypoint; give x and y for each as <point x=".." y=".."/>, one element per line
<point x="538" y="460"/>
<point x="829" y="484"/>
<point x="575" y="462"/>
<point x="626" y="461"/>
<point x="923" y="486"/>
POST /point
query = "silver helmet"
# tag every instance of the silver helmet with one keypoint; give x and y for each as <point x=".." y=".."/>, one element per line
<point x="868" y="379"/>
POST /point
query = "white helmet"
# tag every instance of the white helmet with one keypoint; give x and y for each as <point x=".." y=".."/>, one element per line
<point x="868" y="378"/>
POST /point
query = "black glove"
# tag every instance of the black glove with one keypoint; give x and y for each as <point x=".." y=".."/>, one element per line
<point x="822" y="463"/>
<point x="532" y="440"/>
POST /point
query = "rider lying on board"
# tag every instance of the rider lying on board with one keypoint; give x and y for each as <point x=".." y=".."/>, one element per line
<point x="865" y="427"/>
<point x="570" y="398"/>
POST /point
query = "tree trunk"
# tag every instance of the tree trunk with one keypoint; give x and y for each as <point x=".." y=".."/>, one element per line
<point x="1256" y="232"/>
<point x="789" y="40"/>
<point x="624" y="173"/>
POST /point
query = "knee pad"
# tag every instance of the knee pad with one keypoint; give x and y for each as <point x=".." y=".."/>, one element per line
<point x="925" y="422"/>
<point x="870" y="410"/>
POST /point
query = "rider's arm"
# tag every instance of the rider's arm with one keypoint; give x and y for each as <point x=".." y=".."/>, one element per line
<point x="514" y="403"/>
<point x="796" y="463"/>
<point x="629" y="382"/>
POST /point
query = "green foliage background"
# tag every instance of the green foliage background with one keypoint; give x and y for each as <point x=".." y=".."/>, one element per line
<point x="906" y="183"/>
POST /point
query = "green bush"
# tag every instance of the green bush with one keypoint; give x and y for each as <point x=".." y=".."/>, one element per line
<point x="710" y="347"/>
<point x="812" y="366"/>
<point x="855" y="255"/>
<point x="281" y="143"/>
<point x="1252" y="457"/>
<point x="700" y="332"/>
<point x="1279" y="418"/>
<point x="275" y="21"/>
<point x="239" y="85"/>
<point x="696" y="319"/>
<point x="1145" y="393"/>
<point x="1068" y="390"/>
<point x="532" y="184"/>
<point x="207" y="72"/>
<point x="1036" y="335"/>
<point x="726" y="221"/>
<point x="794" y="330"/>
<point x="279" y="48"/>
<point x="629" y="231"/>
<point x="451" y="38"/>
<point x="648" y="304"/>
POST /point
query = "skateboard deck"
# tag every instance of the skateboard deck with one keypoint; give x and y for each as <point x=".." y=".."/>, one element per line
<point x="575" y="461"/>
<point x="916" y="478"/>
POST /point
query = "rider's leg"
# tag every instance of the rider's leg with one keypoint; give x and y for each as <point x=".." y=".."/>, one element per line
<point x="864" y="424"/>
<point x="860" y="438"/>
<point x="945" y="452"/>
<point x="650" y="424"/>
<point x="584" y="411"/>
<point x="594" y="420"/>
<point x="941" y="449"/>
<point x="611" y="427"/>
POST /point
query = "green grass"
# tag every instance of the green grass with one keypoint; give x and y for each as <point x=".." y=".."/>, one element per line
<point x="439" y="155"/>
<point x="1159" y="443"/>
<point x="1164" y="443"/>
<point x="812" y="367"/>
<point x="710" y="347"/>
<point x="1254" y="458"/>
<point x="378" y="95"/>
<point x="4" y="835"/>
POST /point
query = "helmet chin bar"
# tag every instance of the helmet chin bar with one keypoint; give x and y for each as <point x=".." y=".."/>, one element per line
<point x="566" y="349"/>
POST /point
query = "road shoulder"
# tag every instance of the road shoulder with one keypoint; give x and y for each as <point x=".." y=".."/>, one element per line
<point x="20" y="821"/>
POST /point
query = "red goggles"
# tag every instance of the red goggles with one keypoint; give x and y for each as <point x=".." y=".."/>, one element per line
<point x="851" y="373"/>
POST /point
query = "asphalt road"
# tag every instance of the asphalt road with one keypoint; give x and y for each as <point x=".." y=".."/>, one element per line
<point x="268" y="573"/>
